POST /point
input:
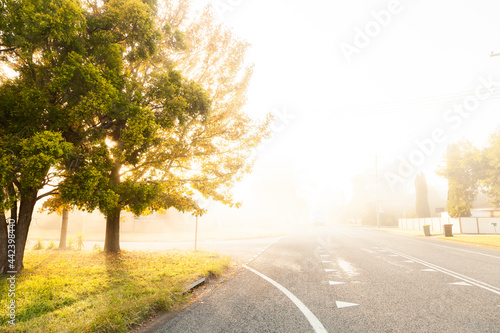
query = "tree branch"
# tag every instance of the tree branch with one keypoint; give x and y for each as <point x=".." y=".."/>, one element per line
<point x="54" y="191"/>
<point x="8" y="50"/>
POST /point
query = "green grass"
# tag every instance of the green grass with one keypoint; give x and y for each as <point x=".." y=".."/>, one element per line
<point x="488" y="240"/>
<point x="93" y="292"/>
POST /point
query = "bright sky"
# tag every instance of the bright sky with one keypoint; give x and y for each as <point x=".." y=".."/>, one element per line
<point x="368" y="77"/>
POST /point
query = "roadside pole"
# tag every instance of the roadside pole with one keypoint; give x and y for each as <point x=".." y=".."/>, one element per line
<point x="196" y="233"/>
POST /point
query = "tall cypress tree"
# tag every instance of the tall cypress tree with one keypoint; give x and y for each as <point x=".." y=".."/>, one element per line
<point x="422" y="202"/>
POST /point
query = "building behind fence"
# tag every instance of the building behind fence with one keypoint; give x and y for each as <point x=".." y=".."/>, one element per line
<point x="463" y="225"/>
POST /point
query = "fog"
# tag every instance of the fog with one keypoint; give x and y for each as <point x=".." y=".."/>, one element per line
<point x="346" y="82"/>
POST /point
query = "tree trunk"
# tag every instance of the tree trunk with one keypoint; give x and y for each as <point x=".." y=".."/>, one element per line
<point x="3" y="243"/>
<point x="112" y="241"/>
<point x="26" y="208"/>
<point x="13" y="212"/>
<point x="20" y="231"/>
<point x="64" y="230"/>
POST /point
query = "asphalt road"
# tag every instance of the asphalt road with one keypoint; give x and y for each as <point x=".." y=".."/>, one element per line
<point x="342" y="279"/>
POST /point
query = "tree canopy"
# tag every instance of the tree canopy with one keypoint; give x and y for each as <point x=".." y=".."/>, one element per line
<point x="461" y="172"/>
<point x="102" y="106"/>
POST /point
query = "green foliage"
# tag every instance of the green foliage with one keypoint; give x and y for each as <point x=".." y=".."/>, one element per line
<point x="99" y="109"/>
<point x="70" y="244"/>
<point x="79" y="241"/>
<point x="52" y="245"/>
<point x="489" y="169"/>
<point x="39" y="245"/>
<point x="463" y="179"/>
<point x="97" y="248"/>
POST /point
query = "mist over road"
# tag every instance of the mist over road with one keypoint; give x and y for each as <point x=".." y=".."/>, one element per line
<point x="342" y="279"/>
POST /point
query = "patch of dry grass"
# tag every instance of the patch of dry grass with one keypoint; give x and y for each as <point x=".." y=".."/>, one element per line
<point x="489" y="240"/>
<point x="94" y="292"/>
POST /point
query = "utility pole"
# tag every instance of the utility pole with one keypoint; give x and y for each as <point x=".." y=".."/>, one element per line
<point x="196" y="230"/>
<point x="377" y="203"/>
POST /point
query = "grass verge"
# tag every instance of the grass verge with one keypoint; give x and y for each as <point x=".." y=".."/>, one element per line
<point x="488" y="240"/>
<point x="94" y="292"/>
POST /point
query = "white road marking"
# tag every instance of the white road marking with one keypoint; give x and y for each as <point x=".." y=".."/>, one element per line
<point x="264" y="249"/>
<point x="333" y="283"/>
<point x="326" y="261"/>
<point x="411" y="261"/>
<point x="329" y="270"/>
<point x="428" y="270"/>
<point x="315" y="323"/>
<point x="347" y="267"/>
<point x="369" y="251"/>
<point x="459" y="276"/>
<point x="341" y="305"/>
<point x="461" y="284"/>
<point x="324" y="255"/>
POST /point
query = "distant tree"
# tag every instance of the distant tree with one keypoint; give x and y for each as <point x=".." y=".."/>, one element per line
<point x="488" y="169"/>
<point x="422" y="202"/>
<point x="461" y="172"/>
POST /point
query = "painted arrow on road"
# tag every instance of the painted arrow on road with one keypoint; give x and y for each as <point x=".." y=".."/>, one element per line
<point x="341" y="305"/>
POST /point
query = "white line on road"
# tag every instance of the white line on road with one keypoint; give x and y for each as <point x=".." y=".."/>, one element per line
<point x="332" y="283"/>
<point x="315" y="323"/>
<point x="264" y="250"/>
<point x="461" y="284"/>
<point x="464" y="278"/>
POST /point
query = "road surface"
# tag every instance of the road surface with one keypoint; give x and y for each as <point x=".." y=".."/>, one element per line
<point x="342" y="279"/>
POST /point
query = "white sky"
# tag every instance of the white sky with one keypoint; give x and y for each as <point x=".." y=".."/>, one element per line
<point x="398" y="89"/>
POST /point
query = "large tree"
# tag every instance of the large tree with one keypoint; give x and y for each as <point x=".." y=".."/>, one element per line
<point x="185" y="146"/>
<point x="460" y="170"/>
<point x="143" y="137"/>
<point x="44" y="82"/>
<point x="96" y="104"/>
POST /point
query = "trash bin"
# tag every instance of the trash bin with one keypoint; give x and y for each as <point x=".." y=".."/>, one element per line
<point x="427" y="230"/>
<point x="448" y="230"/>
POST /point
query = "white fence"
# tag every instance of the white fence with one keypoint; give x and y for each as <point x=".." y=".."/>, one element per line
<point x="463" y="225"/>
